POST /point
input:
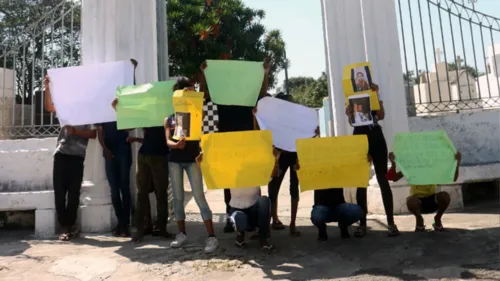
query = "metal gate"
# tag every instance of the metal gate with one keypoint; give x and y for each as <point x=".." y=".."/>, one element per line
<point x="450" y="59"/>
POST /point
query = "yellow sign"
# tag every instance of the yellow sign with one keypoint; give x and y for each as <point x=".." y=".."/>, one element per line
<point x="356" y="80"/>
<point x="188" y="106"/>
<point x="335" y="162"/>
<point x="237" y="159"/>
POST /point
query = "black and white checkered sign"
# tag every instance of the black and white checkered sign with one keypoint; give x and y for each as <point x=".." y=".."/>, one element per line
<point x="211" y="117"/>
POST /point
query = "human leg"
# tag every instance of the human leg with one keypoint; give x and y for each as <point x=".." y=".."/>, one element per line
<point x="414" y="206"/>
<point x="143" y="180"/>
<point x="60" y="189"/>
<point x="112" y="174"/>
<point x="294" y="194"/>
<point x="346" y="214"/>
<point x="125" y="163"/>
<point x="159" y="170"/>
<point x="443" y="201"/>
<point x="227" y="198"/>
<point x="361" y="194"/>
<point x="74" y="187"/>
<point x="176" y="172"/>
<point x="320" y="216"/>
<point x="239" y="220"/>
<point x="274" y="189"/>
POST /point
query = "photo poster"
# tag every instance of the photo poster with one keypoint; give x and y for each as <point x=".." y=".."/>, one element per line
<point x="237" y="159"/>
<point x="144" y="106"/>
<point x="83" y="94"/>
<point x="333" y="162"/>
<point x="356" y="80"/>
<point x="188" y="107"/>
<point x="233" y="82"/>
<point x="361" y="110"/>
<point x="425" y="157"/>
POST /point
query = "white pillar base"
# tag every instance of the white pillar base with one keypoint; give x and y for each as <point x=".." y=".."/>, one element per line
<point x="45" y="223"/>
<point x="96" y="214"/>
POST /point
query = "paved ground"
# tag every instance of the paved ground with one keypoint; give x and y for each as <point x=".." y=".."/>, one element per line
<point x="469" y="250"/>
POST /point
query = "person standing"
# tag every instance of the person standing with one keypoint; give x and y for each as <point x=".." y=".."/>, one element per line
<point x="117" y="154"/>
<point x="377" y="149"/>
<point x="68" y="169"/>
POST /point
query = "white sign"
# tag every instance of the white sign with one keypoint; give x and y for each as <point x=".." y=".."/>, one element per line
<point x="83" y="95"/>
<point x="287" y="121"/>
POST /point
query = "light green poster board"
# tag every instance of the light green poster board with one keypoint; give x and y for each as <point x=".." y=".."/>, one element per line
<point x="426" y="157"/>
<point x="234" y="82"/>
<point x="144" y="106"/>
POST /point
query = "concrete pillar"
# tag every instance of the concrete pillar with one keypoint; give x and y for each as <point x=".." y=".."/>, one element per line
<point x="370" y="35"/>
<point x="114" y="30"/>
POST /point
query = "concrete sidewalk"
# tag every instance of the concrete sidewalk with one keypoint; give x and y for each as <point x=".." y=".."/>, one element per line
<point x="469" y="250"/>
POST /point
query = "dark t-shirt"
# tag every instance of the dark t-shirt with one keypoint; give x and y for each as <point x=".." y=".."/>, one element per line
<point x="155" y="142"/>
<point x="332" y="197"/>
<point x="186" y="155"/>
<point x="234" y="118"/>
<point x="114" y="139"/>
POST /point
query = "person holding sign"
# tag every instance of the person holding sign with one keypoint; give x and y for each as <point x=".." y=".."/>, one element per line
<point x="152" y="168"/>
<point x="234" y="118"/>
<point x="423" y="199"/>
<point x="68" y="169"/>
<point x="377" y="148"/>
<point x="182" y="158"/>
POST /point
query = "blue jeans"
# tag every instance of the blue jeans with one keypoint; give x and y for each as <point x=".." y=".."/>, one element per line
<point x="118" y="174"/>
<point x="345" y="214"/>
<point x="193" y="172"/>
<point x="258" y="215"/>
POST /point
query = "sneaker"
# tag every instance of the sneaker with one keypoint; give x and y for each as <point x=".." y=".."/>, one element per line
<point x="179" y="241"/>
<point x="211" y="245"/>
<point x="393" y="230"/>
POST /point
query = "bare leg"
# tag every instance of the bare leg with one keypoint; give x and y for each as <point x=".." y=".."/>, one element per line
<point x="295" y="207"/>
<point x="209" y="225"/>
<point x="182" y="226"/>
<point x="443" y="199"/>
<point x="413" y="204"/>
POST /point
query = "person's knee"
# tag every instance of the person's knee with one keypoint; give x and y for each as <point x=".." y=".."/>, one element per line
<point x="357" y="212"/>
<point x="240" y="221"/>
<point x="264" y="202"/>
<point x="413" y="203"/>
<point x="443" y="197"/>
<point x="317" y="216"/>
<point x="294" y="193"/>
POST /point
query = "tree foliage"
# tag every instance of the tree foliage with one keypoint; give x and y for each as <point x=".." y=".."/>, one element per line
<point x="309" y="91"/>
<point x="219" y="29"/>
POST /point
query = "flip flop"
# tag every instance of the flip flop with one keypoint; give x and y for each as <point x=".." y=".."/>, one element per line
<point x="420" y="229"/>
<point x="241" y="245"/>
<point x="360" y="232"/>
<point x="438" y="228"/>
<point x="64" y="237"/>
<point x="268" y="248"/>
<point x="277" y="225"/>
<point x="294" y="232"/>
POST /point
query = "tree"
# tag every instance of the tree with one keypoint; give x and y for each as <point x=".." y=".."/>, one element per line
<point x="452" y="66"/>
<point x="309" y="91"/>
<point x="37" y="35"/>
<point x="219" y="29"/>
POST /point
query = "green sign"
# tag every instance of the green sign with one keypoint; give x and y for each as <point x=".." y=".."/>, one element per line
<point x="426" y="157"/>
<point x="234" y="82"/>
<point x="144" y="106"/>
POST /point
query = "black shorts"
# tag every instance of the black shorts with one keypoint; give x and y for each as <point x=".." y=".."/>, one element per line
<point x="429" y="204"/>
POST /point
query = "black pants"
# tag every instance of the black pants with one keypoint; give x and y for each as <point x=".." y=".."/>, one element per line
<point x="67" y="181"/>
<point x="377" y="148"/>
<point x="287" y="160"/>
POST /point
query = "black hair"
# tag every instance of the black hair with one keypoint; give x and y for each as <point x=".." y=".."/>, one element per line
<point x="283" y="96"/>
<point x="182" y="82"/>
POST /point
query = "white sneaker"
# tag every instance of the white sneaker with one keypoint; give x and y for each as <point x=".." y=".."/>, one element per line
<point x="211" y="245"/>
<point x="179" y="241"/>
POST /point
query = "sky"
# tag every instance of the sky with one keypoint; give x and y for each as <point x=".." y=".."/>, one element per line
<point x="301" y="27"/>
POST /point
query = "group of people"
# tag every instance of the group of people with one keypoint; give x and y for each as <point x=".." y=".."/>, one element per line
<point x="161" y="159"/>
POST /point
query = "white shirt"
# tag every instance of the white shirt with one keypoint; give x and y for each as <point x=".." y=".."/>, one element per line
<point x="243" y="198"/>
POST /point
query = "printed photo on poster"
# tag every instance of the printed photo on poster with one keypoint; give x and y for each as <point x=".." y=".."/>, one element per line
<point x="182" y="125"/>
<point x="361" y="78"/>
<point x="361" y="110"/>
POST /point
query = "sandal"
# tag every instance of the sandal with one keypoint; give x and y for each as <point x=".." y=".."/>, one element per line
<point x="393" y="230"/>
<point x="438" y="228"/>
<point x="360" y="232"/>
<point x="241" y="245"/>
<point x="268" y="248"/>
<point x="294" y="232"/>
<point x="277" y="225"/>
<point x="420" y="228"/>
<point x="64" y="237"/>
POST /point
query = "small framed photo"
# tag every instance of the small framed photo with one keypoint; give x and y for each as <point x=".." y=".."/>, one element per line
<point x="182" y="125"/>
<point x="361" y="110"/>
<point x="361" y="78"/>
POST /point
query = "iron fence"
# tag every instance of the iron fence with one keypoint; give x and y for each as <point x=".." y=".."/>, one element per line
<point x="450" y="60"/>
<point x="27" y="49"/>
